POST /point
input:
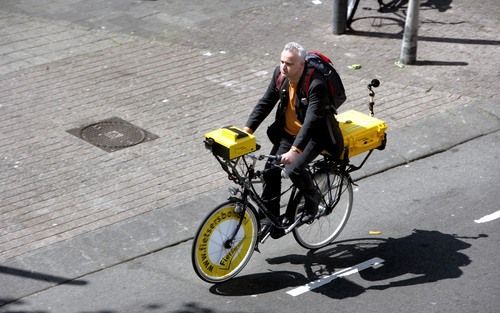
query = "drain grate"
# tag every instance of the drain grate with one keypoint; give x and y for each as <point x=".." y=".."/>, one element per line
<point x="112" y="134"/>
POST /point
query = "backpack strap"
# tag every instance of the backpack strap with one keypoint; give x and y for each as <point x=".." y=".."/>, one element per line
<point x="279" y="81"/>
<point x="307" y="80"/>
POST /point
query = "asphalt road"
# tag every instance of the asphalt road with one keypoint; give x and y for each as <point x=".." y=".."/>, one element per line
<point x="439" y="254"/>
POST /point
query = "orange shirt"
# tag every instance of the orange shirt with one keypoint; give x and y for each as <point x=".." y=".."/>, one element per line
<point x="292" y="124"/>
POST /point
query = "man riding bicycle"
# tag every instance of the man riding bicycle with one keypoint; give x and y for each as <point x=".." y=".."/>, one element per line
<point x="303" y="127"/>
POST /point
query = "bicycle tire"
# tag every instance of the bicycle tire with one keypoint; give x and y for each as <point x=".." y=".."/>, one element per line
<point x="327" y="227"/>
<point x="352" y="6"/>
<point x="212" y="261"/>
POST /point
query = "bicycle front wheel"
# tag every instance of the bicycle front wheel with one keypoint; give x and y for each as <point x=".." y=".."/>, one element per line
<point x="334" y="209"/>
<point x="352" y="5"/>
<point x="222" y="247"/>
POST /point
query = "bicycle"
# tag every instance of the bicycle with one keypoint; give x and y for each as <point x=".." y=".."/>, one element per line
<point x="385" y="6"/>
<point x="227" y="237"/>
<point x="352" y="6"/>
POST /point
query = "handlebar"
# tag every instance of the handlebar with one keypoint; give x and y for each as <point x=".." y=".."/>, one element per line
<point x="270" y="157"/>
<point x="276" y="159"/>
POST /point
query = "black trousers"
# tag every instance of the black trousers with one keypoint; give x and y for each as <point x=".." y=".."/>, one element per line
<point x="297" y="173"/>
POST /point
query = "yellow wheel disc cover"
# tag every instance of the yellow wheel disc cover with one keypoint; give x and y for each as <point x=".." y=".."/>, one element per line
<point x="213" y="258"/>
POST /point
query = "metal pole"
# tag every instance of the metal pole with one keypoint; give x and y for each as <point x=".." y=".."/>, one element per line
<point x="339" y="16"/>
<point x="409" y="46"/>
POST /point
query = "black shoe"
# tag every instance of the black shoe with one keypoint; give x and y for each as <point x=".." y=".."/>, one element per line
<point x="307" y="218"/>
<point x="309" y="215"/>
<point x="311" y="208"/>
<point x="277" y="232"/>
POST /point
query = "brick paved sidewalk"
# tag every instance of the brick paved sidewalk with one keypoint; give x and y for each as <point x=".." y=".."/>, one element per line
<point x="56" y="76"/>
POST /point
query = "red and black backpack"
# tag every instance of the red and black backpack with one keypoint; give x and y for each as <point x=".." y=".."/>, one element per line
<point x="317" y="61"/>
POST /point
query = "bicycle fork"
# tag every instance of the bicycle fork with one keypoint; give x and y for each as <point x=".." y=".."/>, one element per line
<point x="240" y="210"/>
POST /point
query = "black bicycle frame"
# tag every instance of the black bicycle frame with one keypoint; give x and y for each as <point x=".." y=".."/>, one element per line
<point x="246" y="181"/>
<point x="247" y="189"/>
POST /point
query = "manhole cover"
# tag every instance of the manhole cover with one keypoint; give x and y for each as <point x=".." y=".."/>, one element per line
<point x="113" y="134"/>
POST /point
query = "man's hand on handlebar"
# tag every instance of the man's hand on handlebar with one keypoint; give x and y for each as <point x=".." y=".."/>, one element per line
<point x="290" y="156"/>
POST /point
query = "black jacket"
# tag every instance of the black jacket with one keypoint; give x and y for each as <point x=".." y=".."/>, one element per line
<point x="311" y="110"/>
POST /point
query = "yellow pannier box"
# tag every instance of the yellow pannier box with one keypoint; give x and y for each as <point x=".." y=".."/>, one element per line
<point x="230" y="142"/>
<point x="361" y="132"/>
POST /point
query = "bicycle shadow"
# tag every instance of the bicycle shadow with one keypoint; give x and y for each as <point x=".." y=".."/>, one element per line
<point x="260" y="283"/>
<point x="396" y="5"/>
<point x="419" y="258"/>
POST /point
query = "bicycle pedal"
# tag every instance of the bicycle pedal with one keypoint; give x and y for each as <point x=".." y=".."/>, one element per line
<point x="263" y="239"/>
<point x="265" y="230"/>
<point x="285" y="222"/>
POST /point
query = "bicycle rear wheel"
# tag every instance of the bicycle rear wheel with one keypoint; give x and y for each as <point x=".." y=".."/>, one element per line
<point x="334" y="209"/>
<point x="217" y="258"/>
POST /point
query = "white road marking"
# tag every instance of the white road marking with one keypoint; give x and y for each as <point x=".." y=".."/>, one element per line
<point x="375" y="263"/>
<point x="488" y="218"/>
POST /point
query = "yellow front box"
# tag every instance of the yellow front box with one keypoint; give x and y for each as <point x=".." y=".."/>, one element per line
<point x="361" y="132"/>
<point x="230" y="142"/>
